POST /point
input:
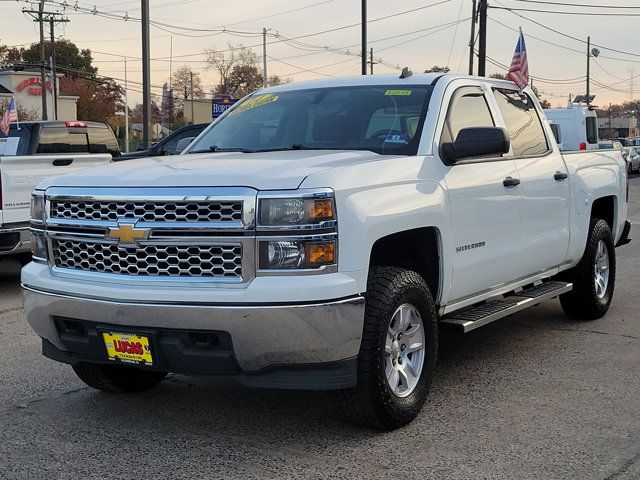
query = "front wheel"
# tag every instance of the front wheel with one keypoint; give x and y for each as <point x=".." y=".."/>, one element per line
<point x="398" y="351"/>
<point x="117" y="378"/>
<point x="594" y="277"/>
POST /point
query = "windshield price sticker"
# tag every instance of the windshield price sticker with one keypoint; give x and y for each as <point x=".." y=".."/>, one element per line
<point x="398" y="93"/>
<point x="253" y="102"/>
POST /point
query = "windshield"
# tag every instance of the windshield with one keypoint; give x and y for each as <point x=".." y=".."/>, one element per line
<point x="382" y="119"/>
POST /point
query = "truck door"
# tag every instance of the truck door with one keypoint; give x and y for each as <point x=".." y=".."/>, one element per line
<point x="543" y="181"/>
<point x="485" y="205"/>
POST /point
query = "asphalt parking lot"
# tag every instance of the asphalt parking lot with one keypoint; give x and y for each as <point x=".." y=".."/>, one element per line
<point x="535" y="395"/>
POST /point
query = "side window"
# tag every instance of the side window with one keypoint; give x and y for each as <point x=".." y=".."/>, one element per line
<point x="169" y="148"/>
<point x="468" y="108"/>
<point x="61" y="140"/>
<point x="102" y="140"/>
<point x="592" y="130"/>
<point x="522" y="122"/>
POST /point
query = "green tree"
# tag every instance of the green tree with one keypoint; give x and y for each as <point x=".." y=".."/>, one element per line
<point x="9" y="56"/>
<point x="70" y="60"/>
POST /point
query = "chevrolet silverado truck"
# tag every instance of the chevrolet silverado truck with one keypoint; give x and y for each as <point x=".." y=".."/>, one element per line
<point x="36" y="150"/>
<point x="318" y="235"/>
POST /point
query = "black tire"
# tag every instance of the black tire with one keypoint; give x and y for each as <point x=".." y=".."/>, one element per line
<point x="583" y="303"/>
<point x="372" y="403"/>
<point x="117" y="378"/>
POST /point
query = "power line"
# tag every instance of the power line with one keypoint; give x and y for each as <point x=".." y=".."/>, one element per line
<point x="562" y="12"/>
<point x="588" y="5"/>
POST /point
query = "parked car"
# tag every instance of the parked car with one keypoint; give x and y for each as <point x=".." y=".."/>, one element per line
<point x="633" y="157"/>
<point x="319" y="234"/>
<point x="168" y="145"/>
<point x="579" y="126"/>
<point x="36" y="150"/>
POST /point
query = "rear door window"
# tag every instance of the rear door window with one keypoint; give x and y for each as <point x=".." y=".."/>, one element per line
<point x="55" y="140"/>
<point x="522" y="122"/>
<point x="17" y="143"/>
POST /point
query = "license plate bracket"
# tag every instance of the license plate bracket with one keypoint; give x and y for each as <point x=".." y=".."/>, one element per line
<point x="125" y="347"/>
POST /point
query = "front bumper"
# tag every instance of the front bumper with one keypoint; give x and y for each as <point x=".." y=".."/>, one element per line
<point x="309" y="345"/>
<point x="15" y="239"/>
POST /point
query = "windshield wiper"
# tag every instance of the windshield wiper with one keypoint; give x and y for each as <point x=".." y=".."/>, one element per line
<point x="215" y="148"/>
<point x="297" y="146"/>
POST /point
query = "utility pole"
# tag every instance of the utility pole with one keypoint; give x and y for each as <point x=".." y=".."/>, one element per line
<point x="126" y="109"/>
<point x="588" y="65"/>
<point x="264" y="58"/>
<point x="39" y="16"/>
<point x="482" y="43"/>
<point x="146" y="75"/>
<point x="52" y="61"/>
<point x="193" y="120"/>
<point x="472" y="40"/>
<point x="43" y="83"/>
<point x="371" y="62"/>
<point x="364" y="37"/>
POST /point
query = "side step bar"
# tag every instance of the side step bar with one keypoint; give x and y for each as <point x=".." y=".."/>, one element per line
<point x="479" y="315"/>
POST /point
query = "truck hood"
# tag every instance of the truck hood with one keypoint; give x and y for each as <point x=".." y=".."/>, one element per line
<point x="263" y="171"/>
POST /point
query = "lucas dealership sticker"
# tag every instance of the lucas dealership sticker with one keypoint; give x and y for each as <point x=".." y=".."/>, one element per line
<point x="254" y="102"/>
<point x="398" y="93"/>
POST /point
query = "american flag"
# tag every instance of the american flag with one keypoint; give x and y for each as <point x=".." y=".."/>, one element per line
<point x="519" y="70"/>
<point x="11" y="115"/>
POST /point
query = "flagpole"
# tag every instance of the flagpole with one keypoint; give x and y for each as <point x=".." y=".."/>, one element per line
<point x="17" y="119"/>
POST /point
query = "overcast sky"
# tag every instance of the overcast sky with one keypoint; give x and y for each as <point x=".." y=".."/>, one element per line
<point x="444" y="44"/>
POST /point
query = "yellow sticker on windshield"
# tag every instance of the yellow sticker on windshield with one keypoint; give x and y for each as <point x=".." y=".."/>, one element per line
<point x="253" y="102"/>
<point x="398" y="92"/>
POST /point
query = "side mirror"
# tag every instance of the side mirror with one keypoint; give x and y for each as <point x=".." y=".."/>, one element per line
<point x="183" y="143"/>
<point x="476" y="142"/>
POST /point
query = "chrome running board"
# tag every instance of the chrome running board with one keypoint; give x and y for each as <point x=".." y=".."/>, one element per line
<point x="481" y="314"/>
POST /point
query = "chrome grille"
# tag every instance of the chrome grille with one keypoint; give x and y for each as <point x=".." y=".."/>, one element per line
<point x="207" y="261"/>
<point x="155" y="211"/>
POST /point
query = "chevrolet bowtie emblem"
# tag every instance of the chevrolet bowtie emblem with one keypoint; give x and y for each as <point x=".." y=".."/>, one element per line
<point x="128" y="234"/>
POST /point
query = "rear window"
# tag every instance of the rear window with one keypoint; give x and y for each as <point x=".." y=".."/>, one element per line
<point x="102" y="140"/>
<point x="592" y="130"/>
<point x="63" y="140"/>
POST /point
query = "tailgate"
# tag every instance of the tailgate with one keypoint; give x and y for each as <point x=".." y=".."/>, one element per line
<point x="20" y="174"/>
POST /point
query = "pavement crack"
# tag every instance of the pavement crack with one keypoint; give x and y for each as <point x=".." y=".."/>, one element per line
<point x="16" y="407"/>
<point x="14" y="309"/>
<point x="624" y="468"/>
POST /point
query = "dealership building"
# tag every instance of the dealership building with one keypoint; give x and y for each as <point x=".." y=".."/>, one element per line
<point x="25" y="86"/>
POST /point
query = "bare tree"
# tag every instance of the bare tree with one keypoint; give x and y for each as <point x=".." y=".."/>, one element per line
<point x="236" y="68"/>
<point x="181" y="85"/>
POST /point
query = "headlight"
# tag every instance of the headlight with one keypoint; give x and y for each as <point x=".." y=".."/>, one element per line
<point x="38" y="245"/>
<point x="296" y="254"/>
<point x="284" y="212"/>
<point x="37" y="207"/>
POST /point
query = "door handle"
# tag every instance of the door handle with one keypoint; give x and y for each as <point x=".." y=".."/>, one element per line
<point x="62" y="162"/>
<point x="559" y="176"/>
<point x="511" y="182"/>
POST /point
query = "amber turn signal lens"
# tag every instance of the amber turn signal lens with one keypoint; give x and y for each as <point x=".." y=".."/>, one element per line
<point x="318" y="210"/>
<point x="320" y="253"/>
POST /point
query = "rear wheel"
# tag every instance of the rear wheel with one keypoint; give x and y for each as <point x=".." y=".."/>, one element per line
<point x="594" y="277"/>
<point x="117" y="378"/>
<point x="398" y="351"/>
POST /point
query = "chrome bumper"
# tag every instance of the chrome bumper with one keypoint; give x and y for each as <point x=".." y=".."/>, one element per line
<point x="15" y="239"/>
<point x="262" y="335"/>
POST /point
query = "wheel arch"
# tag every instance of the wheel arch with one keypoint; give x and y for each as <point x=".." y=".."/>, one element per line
<point x="417" y="249"/>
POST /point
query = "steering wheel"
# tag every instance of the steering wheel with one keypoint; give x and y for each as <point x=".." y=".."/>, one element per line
<point x="383" y="134"/>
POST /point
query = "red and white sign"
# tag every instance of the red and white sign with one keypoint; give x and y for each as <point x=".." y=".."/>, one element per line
<point x="34" y="86"/>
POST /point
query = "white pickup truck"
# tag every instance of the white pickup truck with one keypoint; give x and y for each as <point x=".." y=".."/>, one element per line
<point x="318" y="235"/>
<point x="36" y="150"/>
